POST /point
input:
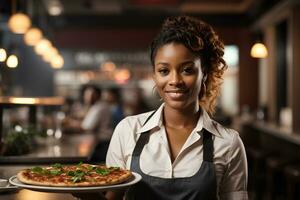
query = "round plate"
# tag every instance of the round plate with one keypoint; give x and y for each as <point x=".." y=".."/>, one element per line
<point x="8" y="188"/>
<point x="15" y="181"/>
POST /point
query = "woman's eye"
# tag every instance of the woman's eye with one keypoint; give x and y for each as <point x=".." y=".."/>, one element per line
<point x="188" y="70"/>
<point x="163" y="71"/>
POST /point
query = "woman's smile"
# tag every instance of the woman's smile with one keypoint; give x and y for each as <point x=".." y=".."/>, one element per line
<point x="176" y="95"/>
<point x="178" y="76"/>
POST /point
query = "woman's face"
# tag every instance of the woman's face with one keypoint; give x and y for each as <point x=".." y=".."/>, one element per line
<point x="178" y="76"/>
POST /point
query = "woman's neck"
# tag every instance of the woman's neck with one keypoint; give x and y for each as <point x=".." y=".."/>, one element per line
<point x="181" y="118"/>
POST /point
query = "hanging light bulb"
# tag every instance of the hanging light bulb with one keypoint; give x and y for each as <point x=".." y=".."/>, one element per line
<point x="49" y="54"/>
<point x="19" y="23"/>
<point x="12" y="61"/>
<point x="42" y="46"/>
<point x="259" y="50"/>
<point x="57" y="62"/>
<point x="3" y="55"/>
<point x="33" y="36"/>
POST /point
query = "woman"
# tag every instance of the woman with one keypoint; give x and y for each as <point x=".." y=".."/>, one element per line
<point x="178" y="149"/>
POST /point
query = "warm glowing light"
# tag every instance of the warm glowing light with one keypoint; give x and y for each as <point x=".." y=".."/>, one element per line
<point x="19" y="23"/>
<point x="3" y="55"/>
<point x="33" y="36"/>
<point x="57" y="62"/>
<point x="23" y="100"/>
<point x="259" y="50"/>
<point x="55" y="10"/>
<point x="50" y="53"/>
<point x="29" y="101"/>
<point x="54" y="7"/>
<point x="122" y="76"/>
<point x="108" y="66"/>
<point x="12" y="61"/>
<point x="42" y="46"/>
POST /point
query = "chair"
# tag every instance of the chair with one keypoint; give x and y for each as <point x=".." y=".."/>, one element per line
<point x="292" y="175"/>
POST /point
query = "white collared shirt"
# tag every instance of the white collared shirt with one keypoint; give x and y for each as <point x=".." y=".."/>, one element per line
<point x="155" y="160"/>
<point x="98" y="120"/>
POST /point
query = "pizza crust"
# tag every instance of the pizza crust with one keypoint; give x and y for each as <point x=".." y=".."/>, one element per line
<point x="111" y="180"/>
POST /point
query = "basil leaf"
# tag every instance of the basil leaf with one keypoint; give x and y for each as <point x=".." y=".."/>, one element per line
<point x="57" y="165"/>
<point x="71" y="173"/>
<point x="55" y="172"/>
<point x="76" y="179"/>
<point x="79" y="164"/>
<point x="114" y="168"/>
<point x="102" y="171"/>
<point x="78" y="171"/>
<point x="46" y="172"/>
<point x="37" y="170"/>
<point x="90" y="167"/>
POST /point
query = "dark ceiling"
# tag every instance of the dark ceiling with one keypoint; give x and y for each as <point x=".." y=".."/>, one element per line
<point x="138" y="13"/>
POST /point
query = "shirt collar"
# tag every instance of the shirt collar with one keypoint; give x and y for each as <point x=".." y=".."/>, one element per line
<point x="209" y="124"/>
<point x="156" y="121"/>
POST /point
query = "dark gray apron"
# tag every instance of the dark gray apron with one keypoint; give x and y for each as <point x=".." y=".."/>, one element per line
<point x="201" y="186"/>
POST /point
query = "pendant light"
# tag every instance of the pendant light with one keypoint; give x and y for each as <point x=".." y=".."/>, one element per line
<point x="33" y="36"/>
<point x="259" y="50"/>
<point x="18" y="23"/>
<point x="12" y="61"/>
<point x="3" y="55"/>
<point x="57" y="62"/>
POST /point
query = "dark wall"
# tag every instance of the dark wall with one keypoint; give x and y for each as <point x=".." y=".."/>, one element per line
<point x="33" y="75"/>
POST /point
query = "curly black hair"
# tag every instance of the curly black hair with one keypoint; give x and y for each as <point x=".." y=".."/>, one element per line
<point x="200" y="38"/>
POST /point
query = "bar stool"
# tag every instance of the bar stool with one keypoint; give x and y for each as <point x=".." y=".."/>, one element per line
<point x="257" y="166"/>
<point x="292" y="174"/>
<point x="275" y="181"/>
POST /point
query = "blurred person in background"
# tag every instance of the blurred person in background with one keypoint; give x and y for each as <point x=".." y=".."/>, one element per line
<point x="135" y="102"/>
<point x="179" y="150"/>
<point x="113" y="101"/>
<point x="97" y="119"/>
<point x="94" y="116"/>
<point x="114" y="98"/>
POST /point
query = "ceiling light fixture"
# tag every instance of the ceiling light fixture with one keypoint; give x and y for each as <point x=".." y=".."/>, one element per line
<point x="259" y="50"/>
<point x="57" y="62"/>
<point x="3" y="55"/>
<point x="19" y="23"/>
<point x="33" y="36"/>
<point x="12" y="61"/>
<point x="42" y="46"/>
<point x="54" y="7"/>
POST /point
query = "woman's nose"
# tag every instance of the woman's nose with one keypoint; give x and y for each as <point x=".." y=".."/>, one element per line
<point x="175" y="79"/>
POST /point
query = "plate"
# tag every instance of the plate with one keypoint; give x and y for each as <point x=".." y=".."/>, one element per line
<point x="15" y="181"/>
<point x="8" y="188"/>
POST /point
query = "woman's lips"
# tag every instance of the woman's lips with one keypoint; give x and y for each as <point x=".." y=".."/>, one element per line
<point x="176" y="95"/>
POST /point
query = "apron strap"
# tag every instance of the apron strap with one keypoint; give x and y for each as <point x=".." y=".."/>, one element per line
<point x="149" y="117"/>
<point x="208" y="146"/>
<point x="143" y="139"/>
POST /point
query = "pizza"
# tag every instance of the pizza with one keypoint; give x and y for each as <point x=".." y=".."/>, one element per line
<point x="74" y="175"/>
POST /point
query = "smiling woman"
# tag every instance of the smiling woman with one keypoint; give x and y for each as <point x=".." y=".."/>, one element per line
<point x="178" y="76"/>
<point x="180" y="152"/>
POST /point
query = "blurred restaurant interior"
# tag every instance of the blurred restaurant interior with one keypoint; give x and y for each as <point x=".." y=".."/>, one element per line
<point x="52" y="50"/>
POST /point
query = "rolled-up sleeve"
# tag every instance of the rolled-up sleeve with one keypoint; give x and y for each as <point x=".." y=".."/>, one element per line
<point x="234" y="182"/>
